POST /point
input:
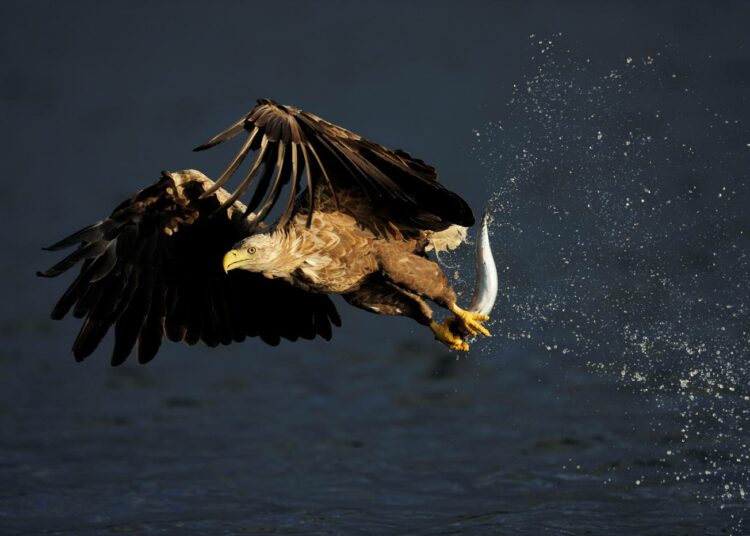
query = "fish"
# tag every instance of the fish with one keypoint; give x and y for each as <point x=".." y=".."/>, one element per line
<point x="486" y="280"/>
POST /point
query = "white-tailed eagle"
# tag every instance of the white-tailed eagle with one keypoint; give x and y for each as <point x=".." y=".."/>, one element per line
<point x="186" y="259"/>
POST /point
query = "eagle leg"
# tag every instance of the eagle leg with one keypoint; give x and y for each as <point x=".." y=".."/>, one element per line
<point x="382" y="297"/>
<point x="424" y="277"/>
<point x="378" y="295"/>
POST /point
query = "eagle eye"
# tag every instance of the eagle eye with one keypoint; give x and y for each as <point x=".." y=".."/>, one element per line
<point x="251" y="250"/>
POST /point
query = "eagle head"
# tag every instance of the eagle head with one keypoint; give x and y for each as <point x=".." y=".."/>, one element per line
<point x="259" y="253"/>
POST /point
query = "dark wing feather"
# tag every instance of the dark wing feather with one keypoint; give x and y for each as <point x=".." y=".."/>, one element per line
<point x="153" y="269"/>
<point x="399" y="190"/>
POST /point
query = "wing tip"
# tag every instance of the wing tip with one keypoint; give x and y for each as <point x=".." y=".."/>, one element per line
<point x="80" y="353"/>
<point x="119" y="357"/>
<point x="205" y="146"/>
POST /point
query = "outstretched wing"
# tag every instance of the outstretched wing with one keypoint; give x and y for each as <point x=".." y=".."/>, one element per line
<point x="153" y="268"/>
<point x="400" y="190"/>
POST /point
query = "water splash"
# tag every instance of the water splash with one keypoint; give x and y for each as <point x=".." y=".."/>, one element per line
<point x="622" y="229"/>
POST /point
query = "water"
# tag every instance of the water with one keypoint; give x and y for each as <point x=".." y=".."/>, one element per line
<point x="612" y="143"/>
<point x="632" y="222"/>
<point x="339" y="441"/>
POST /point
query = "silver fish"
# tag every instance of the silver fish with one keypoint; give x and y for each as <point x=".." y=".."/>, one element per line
<point x="485" y="285"/>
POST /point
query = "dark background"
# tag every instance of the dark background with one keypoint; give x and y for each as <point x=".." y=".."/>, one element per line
<point x="571" y="420"/>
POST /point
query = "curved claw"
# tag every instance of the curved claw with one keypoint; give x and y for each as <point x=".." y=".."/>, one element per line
<point x="444" y="334"/>
<point x="471" y="322"/>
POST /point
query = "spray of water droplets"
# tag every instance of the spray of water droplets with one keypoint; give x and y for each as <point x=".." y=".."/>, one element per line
<point x="621" y="231"/>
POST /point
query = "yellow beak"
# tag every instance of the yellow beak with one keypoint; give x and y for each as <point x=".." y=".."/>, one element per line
<point x="231" y="260"/>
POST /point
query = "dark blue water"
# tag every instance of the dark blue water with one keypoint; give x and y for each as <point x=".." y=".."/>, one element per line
<point x="612" y="143"/>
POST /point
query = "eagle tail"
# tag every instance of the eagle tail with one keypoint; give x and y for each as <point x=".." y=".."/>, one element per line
<point x="447" y="239"/>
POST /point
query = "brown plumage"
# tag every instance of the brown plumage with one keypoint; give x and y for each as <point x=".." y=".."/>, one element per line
<point x="358" y="221"/>
<point x="388" y="191"/>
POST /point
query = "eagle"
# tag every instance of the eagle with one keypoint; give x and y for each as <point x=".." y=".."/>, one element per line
<point x="187" y="260"/>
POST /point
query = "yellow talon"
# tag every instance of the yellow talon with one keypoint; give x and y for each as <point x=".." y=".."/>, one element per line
<point x="445" y="335"/>
<point x="471" y="322"/>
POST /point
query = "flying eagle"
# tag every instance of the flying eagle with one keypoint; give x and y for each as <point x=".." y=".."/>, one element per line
<point x="186" y="259"/>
